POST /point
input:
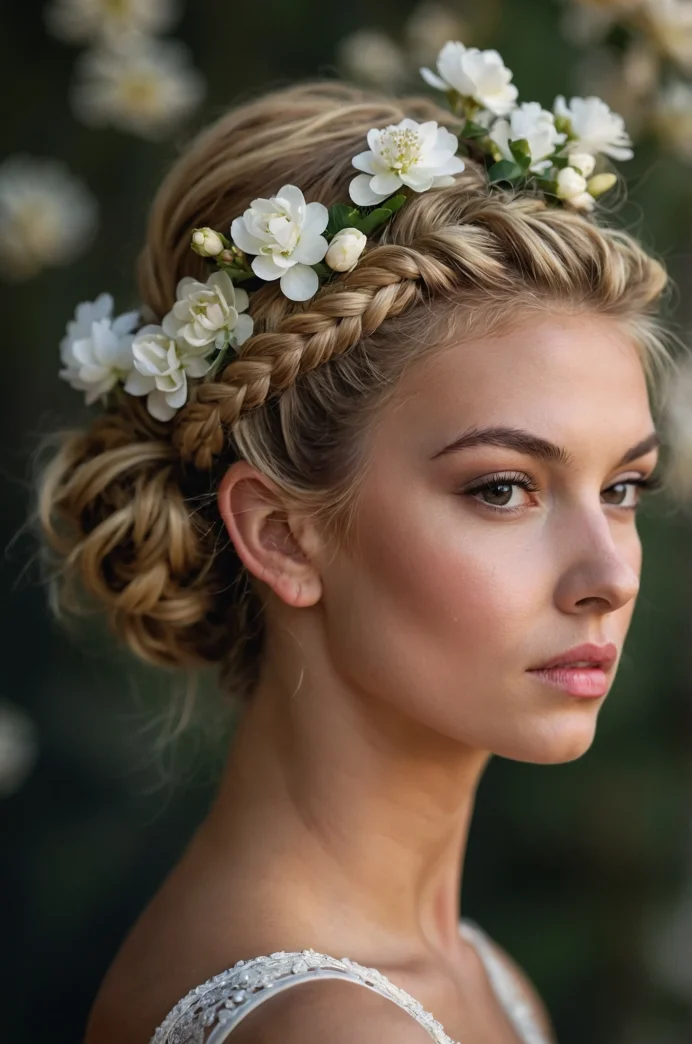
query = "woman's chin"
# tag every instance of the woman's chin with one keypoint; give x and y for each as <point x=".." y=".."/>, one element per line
<point x="553" y="742"/>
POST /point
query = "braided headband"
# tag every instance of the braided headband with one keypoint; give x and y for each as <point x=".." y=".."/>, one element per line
<point x="304" y="245"/>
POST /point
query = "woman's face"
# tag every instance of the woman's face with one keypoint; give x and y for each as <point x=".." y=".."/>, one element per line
<point x="453" y="593"/>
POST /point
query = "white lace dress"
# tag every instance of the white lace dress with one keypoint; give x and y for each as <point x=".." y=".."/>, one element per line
<point x="210" y="1012"/>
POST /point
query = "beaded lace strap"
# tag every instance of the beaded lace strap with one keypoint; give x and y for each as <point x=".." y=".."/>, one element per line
<point x="209" y="1013"/>
<point x="519" y="1008"/>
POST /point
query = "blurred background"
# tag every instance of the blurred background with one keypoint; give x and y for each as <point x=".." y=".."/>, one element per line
<point x="583" y="871"/>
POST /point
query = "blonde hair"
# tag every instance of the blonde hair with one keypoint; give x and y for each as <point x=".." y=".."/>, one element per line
<point x="128" y="505"/>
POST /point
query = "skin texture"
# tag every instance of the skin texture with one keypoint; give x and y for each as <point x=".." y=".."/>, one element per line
<point x="395" y="669"/>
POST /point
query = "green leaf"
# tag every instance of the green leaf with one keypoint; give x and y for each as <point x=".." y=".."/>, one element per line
<point x="378" y="217"/>
<point x="521" y="150"/>
<point x="473" y="130"/>
<point x="504" y="170"/>
<point x="374" y="220"/>
<point x="341" y="215"/>
<point x="395" y="203"/>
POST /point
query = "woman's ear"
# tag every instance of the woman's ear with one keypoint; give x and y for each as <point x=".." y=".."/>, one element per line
<point x="274" y="542"/>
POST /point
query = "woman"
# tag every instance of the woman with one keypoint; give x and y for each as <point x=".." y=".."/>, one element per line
<point x="385" y="507"/>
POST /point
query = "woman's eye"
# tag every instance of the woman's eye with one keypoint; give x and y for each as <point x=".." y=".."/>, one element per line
<point x="500" y="493"/>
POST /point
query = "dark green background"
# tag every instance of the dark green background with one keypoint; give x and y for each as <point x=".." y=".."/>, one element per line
<point x="576" y="869"/>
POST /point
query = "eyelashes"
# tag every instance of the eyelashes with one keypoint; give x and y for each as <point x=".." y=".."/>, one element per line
<point x="645" y="485"/>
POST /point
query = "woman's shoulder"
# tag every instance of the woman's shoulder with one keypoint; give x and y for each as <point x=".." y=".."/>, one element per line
<point x="331" y="1010"/>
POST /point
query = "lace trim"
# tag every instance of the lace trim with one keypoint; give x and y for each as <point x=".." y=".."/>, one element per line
<point x="520" y="1010"/>
<point x="228" y="997"/>
<point x="219" y="1004"/>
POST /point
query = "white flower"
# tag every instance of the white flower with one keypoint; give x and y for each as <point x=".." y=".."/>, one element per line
<point x="419" y="155"/>
<point x="208" y="314"/>
<point x="81" y="20"/>
<point x="429" y="27"/>
<point x="372" y="57"/>
<point x="47" y="215"/>
<point x="537" y="126"/>
<point x="345" y="249"/>
<point x="18" y="747"/>
<point x="571" y="187"/>
<point x="481" y="75"/>
<point x="162" y="365"/>
<point x="674" y="118"/>
<point x="139" y="85"/>
<point x="595" y="128"/>
<point x="286" y="234"/>
<point x="96" y="351"/>
<point x="583" y="162"/>
<point x="206" y="242"/>
<point x="670" y="26"/>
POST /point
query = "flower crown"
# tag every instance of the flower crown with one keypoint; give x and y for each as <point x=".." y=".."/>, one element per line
<point x="305" y="244"/>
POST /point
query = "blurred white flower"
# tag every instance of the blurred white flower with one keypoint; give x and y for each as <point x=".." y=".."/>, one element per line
<point x="585" y="21"/>
<point x="480" y="75"/>
<point x="47" y="216"/>
<point x="372" y="57"/>
<point x="595" y="128"/>
<point x="429" y="27"/>
<point x="142" y="86"/>
<point x="670" y="24"/>
<point x="673" y="118"/>
<point x="418" y="155"/>
<point x="96" y="351"/>
<point x="18" y="747"/>
<point x="162" y="365"/>
<point x="81" y="20"/>
<point x="207" y="315"/>
<point x="534" y="124"/>
<point x="285" y="233"/>
<point x="571" y="187"/>
<point x="345" y="249"/>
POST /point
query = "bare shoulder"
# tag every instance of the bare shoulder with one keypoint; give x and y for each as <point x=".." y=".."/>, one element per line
<point x="529" y="990"/>
<point x="340" y="1012"/>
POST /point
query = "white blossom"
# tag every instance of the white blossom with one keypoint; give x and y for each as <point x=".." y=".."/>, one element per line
<point x="47" y="215"/>
<point x="208" y="314"/>
<point x="96" y="351"/>
<point x="534" y="124"/>
<point x="206" y="242"/>
<point x="476" y="74"/>
<point x="674" y="118"/>
<point x="78" y="21"/>
<point x="583" y="162"/>
<point x="572" y="188"/>
<point x="162" y="364"/>
<point x="670" y="25"/>
<point x="18" y="747"/>
<point x="418" y="155"/>
<point x="285" y="233"/>
<point x="429" y="27"/>
<point x="345" y="249"/>
<point x="372" y="57"/>
<point x="595" y="128"/>
<point x="142" y="86"/>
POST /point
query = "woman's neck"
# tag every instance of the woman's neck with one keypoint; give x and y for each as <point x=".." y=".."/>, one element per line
<point x="348" y="815"/>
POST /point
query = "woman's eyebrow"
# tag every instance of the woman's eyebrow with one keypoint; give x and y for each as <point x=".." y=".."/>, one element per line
<point x="534" y="445"/>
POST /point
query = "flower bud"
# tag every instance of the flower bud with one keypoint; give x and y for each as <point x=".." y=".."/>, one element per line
<point x="206" y="242"/>
<point x="571" y="186"/>
<point x="345" y="249"/>
<point x="601" y="183"/>
<point x="584" y="162"/>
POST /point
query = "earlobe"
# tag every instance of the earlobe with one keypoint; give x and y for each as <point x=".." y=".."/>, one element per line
<point x="270" y="539"/>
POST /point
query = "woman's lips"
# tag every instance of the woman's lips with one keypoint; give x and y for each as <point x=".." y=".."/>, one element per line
<point x="577" y="681"/>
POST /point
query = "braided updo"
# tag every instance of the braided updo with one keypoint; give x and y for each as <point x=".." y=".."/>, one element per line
<point x="129" y="504"/>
